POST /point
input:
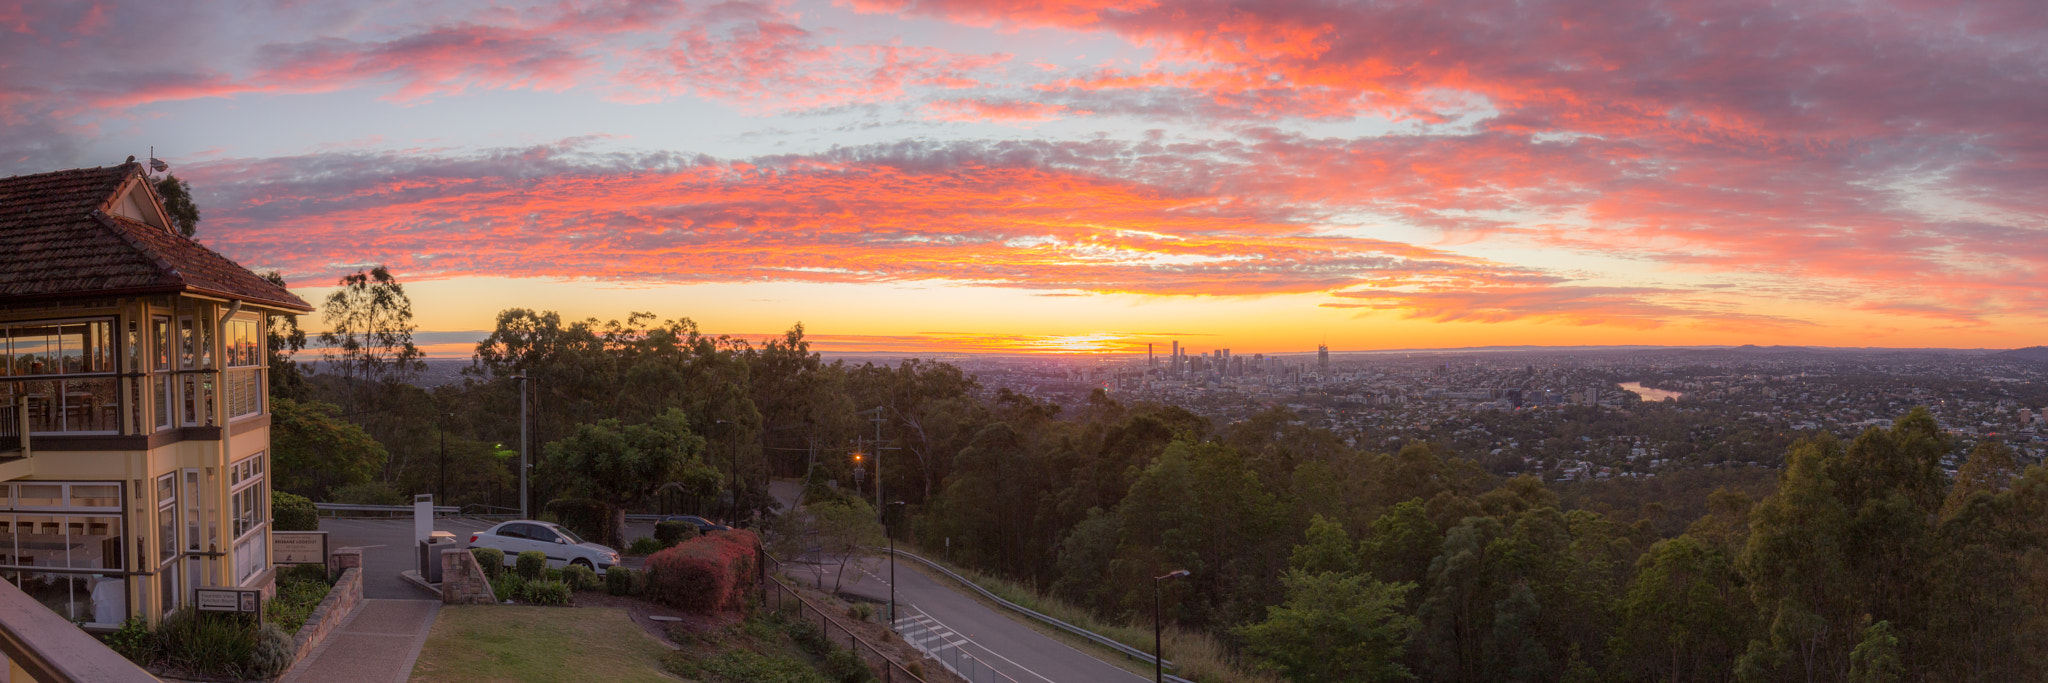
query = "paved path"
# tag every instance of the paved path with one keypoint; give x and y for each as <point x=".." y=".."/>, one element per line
<point x="377" y="644"/>
<point x="995" y="638"/>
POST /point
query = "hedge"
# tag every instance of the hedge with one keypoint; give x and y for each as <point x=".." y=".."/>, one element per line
<point x="671" y="534"/>
<point x="531" y="565"/>
<point x="618" y="581"/>
<point x="293" y="512"/>
<point x="492" y="559"/>
<point x="705" y="574"/>
<point x="581" y="578"/>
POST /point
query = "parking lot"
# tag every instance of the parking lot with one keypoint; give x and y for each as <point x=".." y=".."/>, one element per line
<point x="388" y="548"/>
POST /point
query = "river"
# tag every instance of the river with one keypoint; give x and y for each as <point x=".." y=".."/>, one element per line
<point x="1649" y="394"/>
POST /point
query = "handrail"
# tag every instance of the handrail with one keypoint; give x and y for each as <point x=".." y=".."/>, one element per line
<point x="1098" y="638"/>
<point x="801" y="600"/>
<point x="53" y="650"/>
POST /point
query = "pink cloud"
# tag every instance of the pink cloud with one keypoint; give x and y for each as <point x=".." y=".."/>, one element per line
<point x="970" y="110"/>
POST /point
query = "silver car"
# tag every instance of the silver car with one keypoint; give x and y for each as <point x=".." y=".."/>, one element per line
<point x="563" y="547"/>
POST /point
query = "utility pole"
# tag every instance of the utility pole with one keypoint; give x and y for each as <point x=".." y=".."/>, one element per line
<point x="522" y="447"/>
<point x="878" y="461"/>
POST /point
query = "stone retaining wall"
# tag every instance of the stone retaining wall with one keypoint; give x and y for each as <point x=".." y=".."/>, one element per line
<point x="340" y="602"/>
<point x="463" y="581"/>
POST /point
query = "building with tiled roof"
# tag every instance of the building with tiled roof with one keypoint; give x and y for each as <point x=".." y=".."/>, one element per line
<point x="134" y="416"/>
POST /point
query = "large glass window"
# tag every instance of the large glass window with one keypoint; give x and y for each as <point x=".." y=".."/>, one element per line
<point x="64" y="370"/>
<point x="250" y="509"/>
<point x="168" y="593"/>
<point x="53" y="535"/>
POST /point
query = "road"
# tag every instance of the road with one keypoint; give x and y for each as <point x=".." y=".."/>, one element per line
<point x="1016" y="650"/>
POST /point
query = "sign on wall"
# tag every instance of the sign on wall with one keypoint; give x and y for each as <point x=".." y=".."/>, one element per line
<point x="298" y="547"/>
<point x="243" y="600"/>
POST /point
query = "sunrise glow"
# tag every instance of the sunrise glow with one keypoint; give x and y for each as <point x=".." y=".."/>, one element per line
<point x="948" y="176"/>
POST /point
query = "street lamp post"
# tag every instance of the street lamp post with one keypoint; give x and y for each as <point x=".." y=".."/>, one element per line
<point x="1159" y="669"/>
<point x="892" y="565"/>
<point x="441" y="430"/>
<point x="522" y="447"/>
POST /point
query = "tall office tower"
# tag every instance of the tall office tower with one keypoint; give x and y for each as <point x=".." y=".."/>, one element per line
<point x="1322" y="358"/>
<point x="1174" y="360"/>
<point x="1149" y="361"/>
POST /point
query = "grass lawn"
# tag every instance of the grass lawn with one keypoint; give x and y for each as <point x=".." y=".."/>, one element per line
<point x="527" y="643"/>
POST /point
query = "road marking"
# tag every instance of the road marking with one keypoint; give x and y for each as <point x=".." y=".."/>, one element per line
<point x="984" y="648"/>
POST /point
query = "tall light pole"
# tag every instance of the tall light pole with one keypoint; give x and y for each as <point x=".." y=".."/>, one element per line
<point x="441" y="430"/>
<point x="892" y="565"/>
<point x="522" y="447"/>
<point x="1158" y="669"/>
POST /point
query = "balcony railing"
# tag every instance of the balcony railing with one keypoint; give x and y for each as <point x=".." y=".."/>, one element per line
<point x="52" y="650"/>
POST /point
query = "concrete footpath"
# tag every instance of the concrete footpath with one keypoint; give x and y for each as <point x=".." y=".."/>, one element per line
<point x="378" y="643"/>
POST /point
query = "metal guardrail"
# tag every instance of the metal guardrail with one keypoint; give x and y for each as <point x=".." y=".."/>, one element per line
<point x="392" y="509"/>
<point x="1097" y="638"/>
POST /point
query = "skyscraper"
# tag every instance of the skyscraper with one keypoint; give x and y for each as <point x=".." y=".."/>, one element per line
<point x="1322" y="358"/>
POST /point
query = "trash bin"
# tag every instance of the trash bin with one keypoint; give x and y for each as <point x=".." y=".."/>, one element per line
<point x="430" y="554"/>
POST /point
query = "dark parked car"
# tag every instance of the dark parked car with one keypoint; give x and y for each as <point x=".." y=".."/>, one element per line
<point x="704" y="526"/>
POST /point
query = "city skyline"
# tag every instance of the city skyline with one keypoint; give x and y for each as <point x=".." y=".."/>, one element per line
<point x="945" y="177"/>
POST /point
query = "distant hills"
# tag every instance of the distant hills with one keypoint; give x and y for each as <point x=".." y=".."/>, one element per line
<point x="2038" y="354"/>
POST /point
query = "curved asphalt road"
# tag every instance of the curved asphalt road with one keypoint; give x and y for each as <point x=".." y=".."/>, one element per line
<point x="995" y="638"/>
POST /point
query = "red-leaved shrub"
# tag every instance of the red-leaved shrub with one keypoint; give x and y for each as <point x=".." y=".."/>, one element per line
<point x="705" y="574"/>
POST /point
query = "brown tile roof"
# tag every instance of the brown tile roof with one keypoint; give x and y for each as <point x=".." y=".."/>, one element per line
<point x="57" y="242"/>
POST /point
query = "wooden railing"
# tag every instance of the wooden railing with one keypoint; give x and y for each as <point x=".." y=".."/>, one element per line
<point x="49" y="649"/>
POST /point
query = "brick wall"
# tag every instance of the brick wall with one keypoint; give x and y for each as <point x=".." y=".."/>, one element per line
<point x="463" y="581"/>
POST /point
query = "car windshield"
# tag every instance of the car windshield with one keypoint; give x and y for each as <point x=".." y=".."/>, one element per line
<point x="571" y="535"/>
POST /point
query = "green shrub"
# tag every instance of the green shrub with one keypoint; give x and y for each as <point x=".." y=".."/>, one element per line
<point x="671" y="533"/>
<point x="133" y="640"/>
<point x="509" y="586"/>
<point x="545" y="592"/>
<point x="860" y="611"/>
<point x="532" y="564"/>
<point x="274" y="652"/>
<point x="809" y="636"/>
<point x="581" y="578"/>
<point x="210" y="644"/>
<point x="299" y="592"/>
<point x="492" y="559"/>
<point x="618" y="581"/>
<point x="552" y="574"/>
<point x="643" y="546"/>
<point x="293" y="512"/>
<point x="845" y="667"/>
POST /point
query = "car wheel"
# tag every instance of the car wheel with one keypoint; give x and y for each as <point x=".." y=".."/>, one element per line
<point x="586" y="563"/>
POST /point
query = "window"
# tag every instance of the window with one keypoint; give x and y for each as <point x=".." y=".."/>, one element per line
<point x="249" y="503"/>
<point x="168" y="594"/>
<point x="245" y="342"/>
<point x="65" y="371"/>
<point x="53" y="535"/>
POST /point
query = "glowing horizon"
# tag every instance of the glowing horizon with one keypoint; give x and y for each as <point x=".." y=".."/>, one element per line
<point x="975" y="176"/>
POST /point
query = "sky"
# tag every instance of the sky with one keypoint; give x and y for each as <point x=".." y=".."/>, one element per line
<point x="1073" y="175"/>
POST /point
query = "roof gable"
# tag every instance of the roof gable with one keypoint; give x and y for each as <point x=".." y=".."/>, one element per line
<point x="88" y="232"/>
<point x="136" y="200"/>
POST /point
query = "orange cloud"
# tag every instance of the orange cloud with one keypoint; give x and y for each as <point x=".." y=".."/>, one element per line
<point x="816" y="219"/>
<point x="971" y="110"/>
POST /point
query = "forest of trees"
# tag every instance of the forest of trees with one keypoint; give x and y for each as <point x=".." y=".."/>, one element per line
<point x="1864" y="561"/>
